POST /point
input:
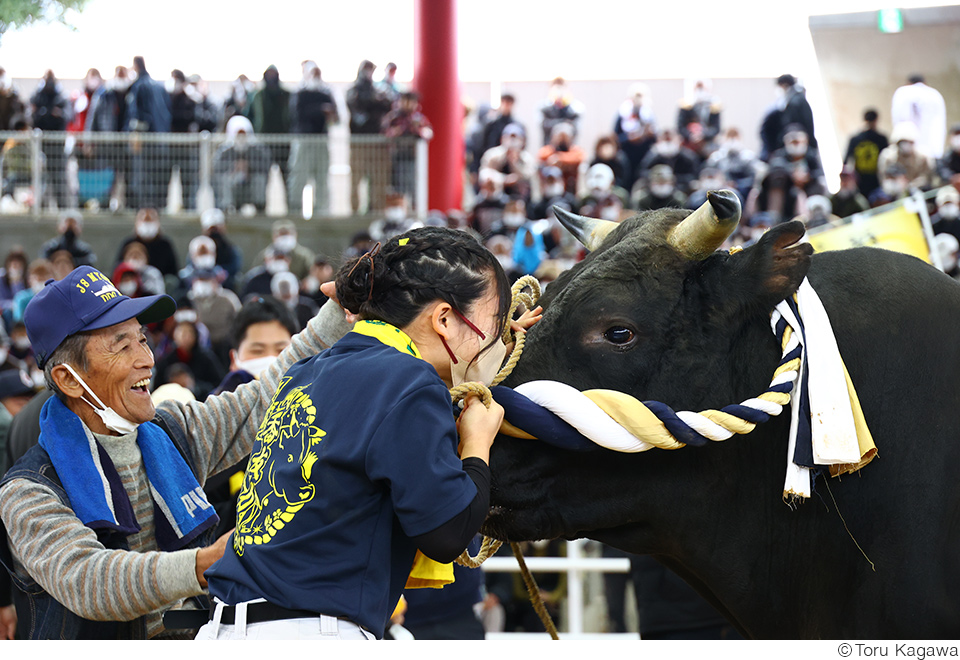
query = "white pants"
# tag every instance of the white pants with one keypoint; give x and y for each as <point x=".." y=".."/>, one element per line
<point x="317" y="627"/>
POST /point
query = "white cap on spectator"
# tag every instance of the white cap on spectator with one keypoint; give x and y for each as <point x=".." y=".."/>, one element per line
<point x="211" y="218"/>
<point x="198" y="242"/>
<point x="284" y="285"/>
<point x="236" y="124"/>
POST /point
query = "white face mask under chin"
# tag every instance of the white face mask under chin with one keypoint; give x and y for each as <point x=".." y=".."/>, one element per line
<point x="482" y="370"/>
<point x="109" y="416"/>
<point x="256" y="366"/>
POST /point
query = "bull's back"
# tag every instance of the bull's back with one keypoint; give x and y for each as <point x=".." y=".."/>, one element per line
<point x="897" y="324"/>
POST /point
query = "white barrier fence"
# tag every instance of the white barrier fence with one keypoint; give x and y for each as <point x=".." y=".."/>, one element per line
<point x="577" y="566"/>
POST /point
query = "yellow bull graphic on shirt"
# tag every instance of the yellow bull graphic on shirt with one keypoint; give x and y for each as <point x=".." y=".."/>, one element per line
<point x="272" y="494"/>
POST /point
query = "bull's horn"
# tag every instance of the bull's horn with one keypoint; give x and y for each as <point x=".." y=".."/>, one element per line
<point x="589" y="231"/>
<point x="705" y="230"/>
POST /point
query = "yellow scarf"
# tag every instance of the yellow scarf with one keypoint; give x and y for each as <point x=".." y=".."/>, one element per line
<point x="425" y="572"/>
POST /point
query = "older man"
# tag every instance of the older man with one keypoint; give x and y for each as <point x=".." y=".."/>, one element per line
<point x="106" y="517"/>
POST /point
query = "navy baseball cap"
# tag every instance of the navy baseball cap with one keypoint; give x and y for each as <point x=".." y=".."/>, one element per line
<point x="14" y="382"/>
<point x="84" y="300"/>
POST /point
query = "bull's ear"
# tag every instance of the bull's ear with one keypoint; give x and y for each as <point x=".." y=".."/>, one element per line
<point x="776" y="265"/>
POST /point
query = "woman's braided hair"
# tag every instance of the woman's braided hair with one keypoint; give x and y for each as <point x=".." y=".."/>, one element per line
<point x="395" y="282"/>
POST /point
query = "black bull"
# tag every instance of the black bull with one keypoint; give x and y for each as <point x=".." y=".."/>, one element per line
<point x="874" y="554"/>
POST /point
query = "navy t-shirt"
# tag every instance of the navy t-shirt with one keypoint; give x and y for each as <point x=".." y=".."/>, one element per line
<point x="356" y="454"/>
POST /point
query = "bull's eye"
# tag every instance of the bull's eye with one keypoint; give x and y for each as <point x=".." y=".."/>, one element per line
<point x="619" y="335"/>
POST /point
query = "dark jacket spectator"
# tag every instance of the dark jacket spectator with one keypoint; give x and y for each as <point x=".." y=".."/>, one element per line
<point x="50" y="108"/>
<point x="368" y="103"/>
<point x="148" y="104"/>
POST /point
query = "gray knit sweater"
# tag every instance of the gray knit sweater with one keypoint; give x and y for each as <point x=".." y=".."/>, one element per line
<point x="51" y="544"/>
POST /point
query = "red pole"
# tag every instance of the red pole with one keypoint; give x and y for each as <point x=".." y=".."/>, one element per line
<point x="437" y="80"/>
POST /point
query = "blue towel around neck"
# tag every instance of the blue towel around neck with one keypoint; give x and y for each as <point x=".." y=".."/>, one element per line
<point x="97" y="496"/>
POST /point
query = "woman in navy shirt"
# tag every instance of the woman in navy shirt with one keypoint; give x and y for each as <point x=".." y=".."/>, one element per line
<point x="356" y="464"/>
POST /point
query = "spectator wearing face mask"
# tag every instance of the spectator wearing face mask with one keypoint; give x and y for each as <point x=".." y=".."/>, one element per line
<point x="711" y="178"/>
<point x="487" y="211"/>
<point x="948" y="167"/>
<point x="636" y="128"/>
<point x="240" y="168"/>
<point x="658" y="191"/>
<point x="216" y="307"/>
<point x="738" y="164"/>
<point x="894" y="185"/>
<point x="20" y="348"/>
<point x="16" y="390"/>
<point x="562" y="153"/>
<point x="69" y="227"/>
<point x="128" y="282"/>
<point x="202" y="257"/>
<point x="284" y="240"/>
<point x="946" y="220"/>
<point x="13" y="280"/>
<point x="514" y="217"/>
<point x="819" y="212"/>
<point x="559" y="107"/>
<point x="269" y="112"/>
<point x="794" y="109"/>
<point x="229" y="257"/>
<point x="368" y="103"/>
<point x="800" y="162"/>
<point x="698" y="119"/>
<point x="51" y="111"/>
<point x="602" y="199"/>
<point x="160" y="251"/>
<point x="848" y="199"/>
<point x="38" y="273"/>
<point x="258" y="278"/>
<point x="314" y="110"/>
<point x="286" y="288"/>
<point x="108" y="114"/>
<point x="395" y="218"/>
<point x="904" y="152"/>
<point x="321" y="271"/>
<point x="668" y="150"/>
<point x="406" y="123"/>
<point x="501" y="246"/>
<point x="135" y="256"/>
<point x="607" y="152"/>
<point x="512" y="161"/>
<point x="553" y="189"/>
<point x="259" y="333"/>
<point x="185" y="348"/>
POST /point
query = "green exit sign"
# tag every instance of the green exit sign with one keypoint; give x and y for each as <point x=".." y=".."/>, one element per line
<point x="890" y="21"/>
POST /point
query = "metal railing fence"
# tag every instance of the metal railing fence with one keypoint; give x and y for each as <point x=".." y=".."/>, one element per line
<point x="188" y="173"/>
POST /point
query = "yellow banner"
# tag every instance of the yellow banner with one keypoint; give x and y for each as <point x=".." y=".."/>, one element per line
<point x="898" y="229"/>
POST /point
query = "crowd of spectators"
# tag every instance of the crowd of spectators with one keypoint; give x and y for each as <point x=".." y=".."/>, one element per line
<point x="639" y="165"/>
<point x="136" y="173"/>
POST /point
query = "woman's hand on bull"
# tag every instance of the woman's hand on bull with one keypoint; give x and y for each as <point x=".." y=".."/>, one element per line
<point x="329" y="289"/>
<point x="478" y="426"/>
<point x="522" y="324"/>
<point x="527" y="319"/>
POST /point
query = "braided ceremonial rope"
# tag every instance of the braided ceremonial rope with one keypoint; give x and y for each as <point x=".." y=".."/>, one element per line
<point x="517" y="297"/>
<point x="489" y="546"/>
<point x="620" y="422"/>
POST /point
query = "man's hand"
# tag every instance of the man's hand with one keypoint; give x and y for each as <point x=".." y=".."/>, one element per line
<point x="8" y="622"/>
<point x="329" y="289"/>
<point x="207" y="557"/>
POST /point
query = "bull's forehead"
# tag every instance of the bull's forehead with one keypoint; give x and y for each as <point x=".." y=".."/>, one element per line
<point x="637" y="248"/>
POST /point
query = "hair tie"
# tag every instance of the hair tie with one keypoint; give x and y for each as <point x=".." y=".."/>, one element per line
<point x="371" y="253"/>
